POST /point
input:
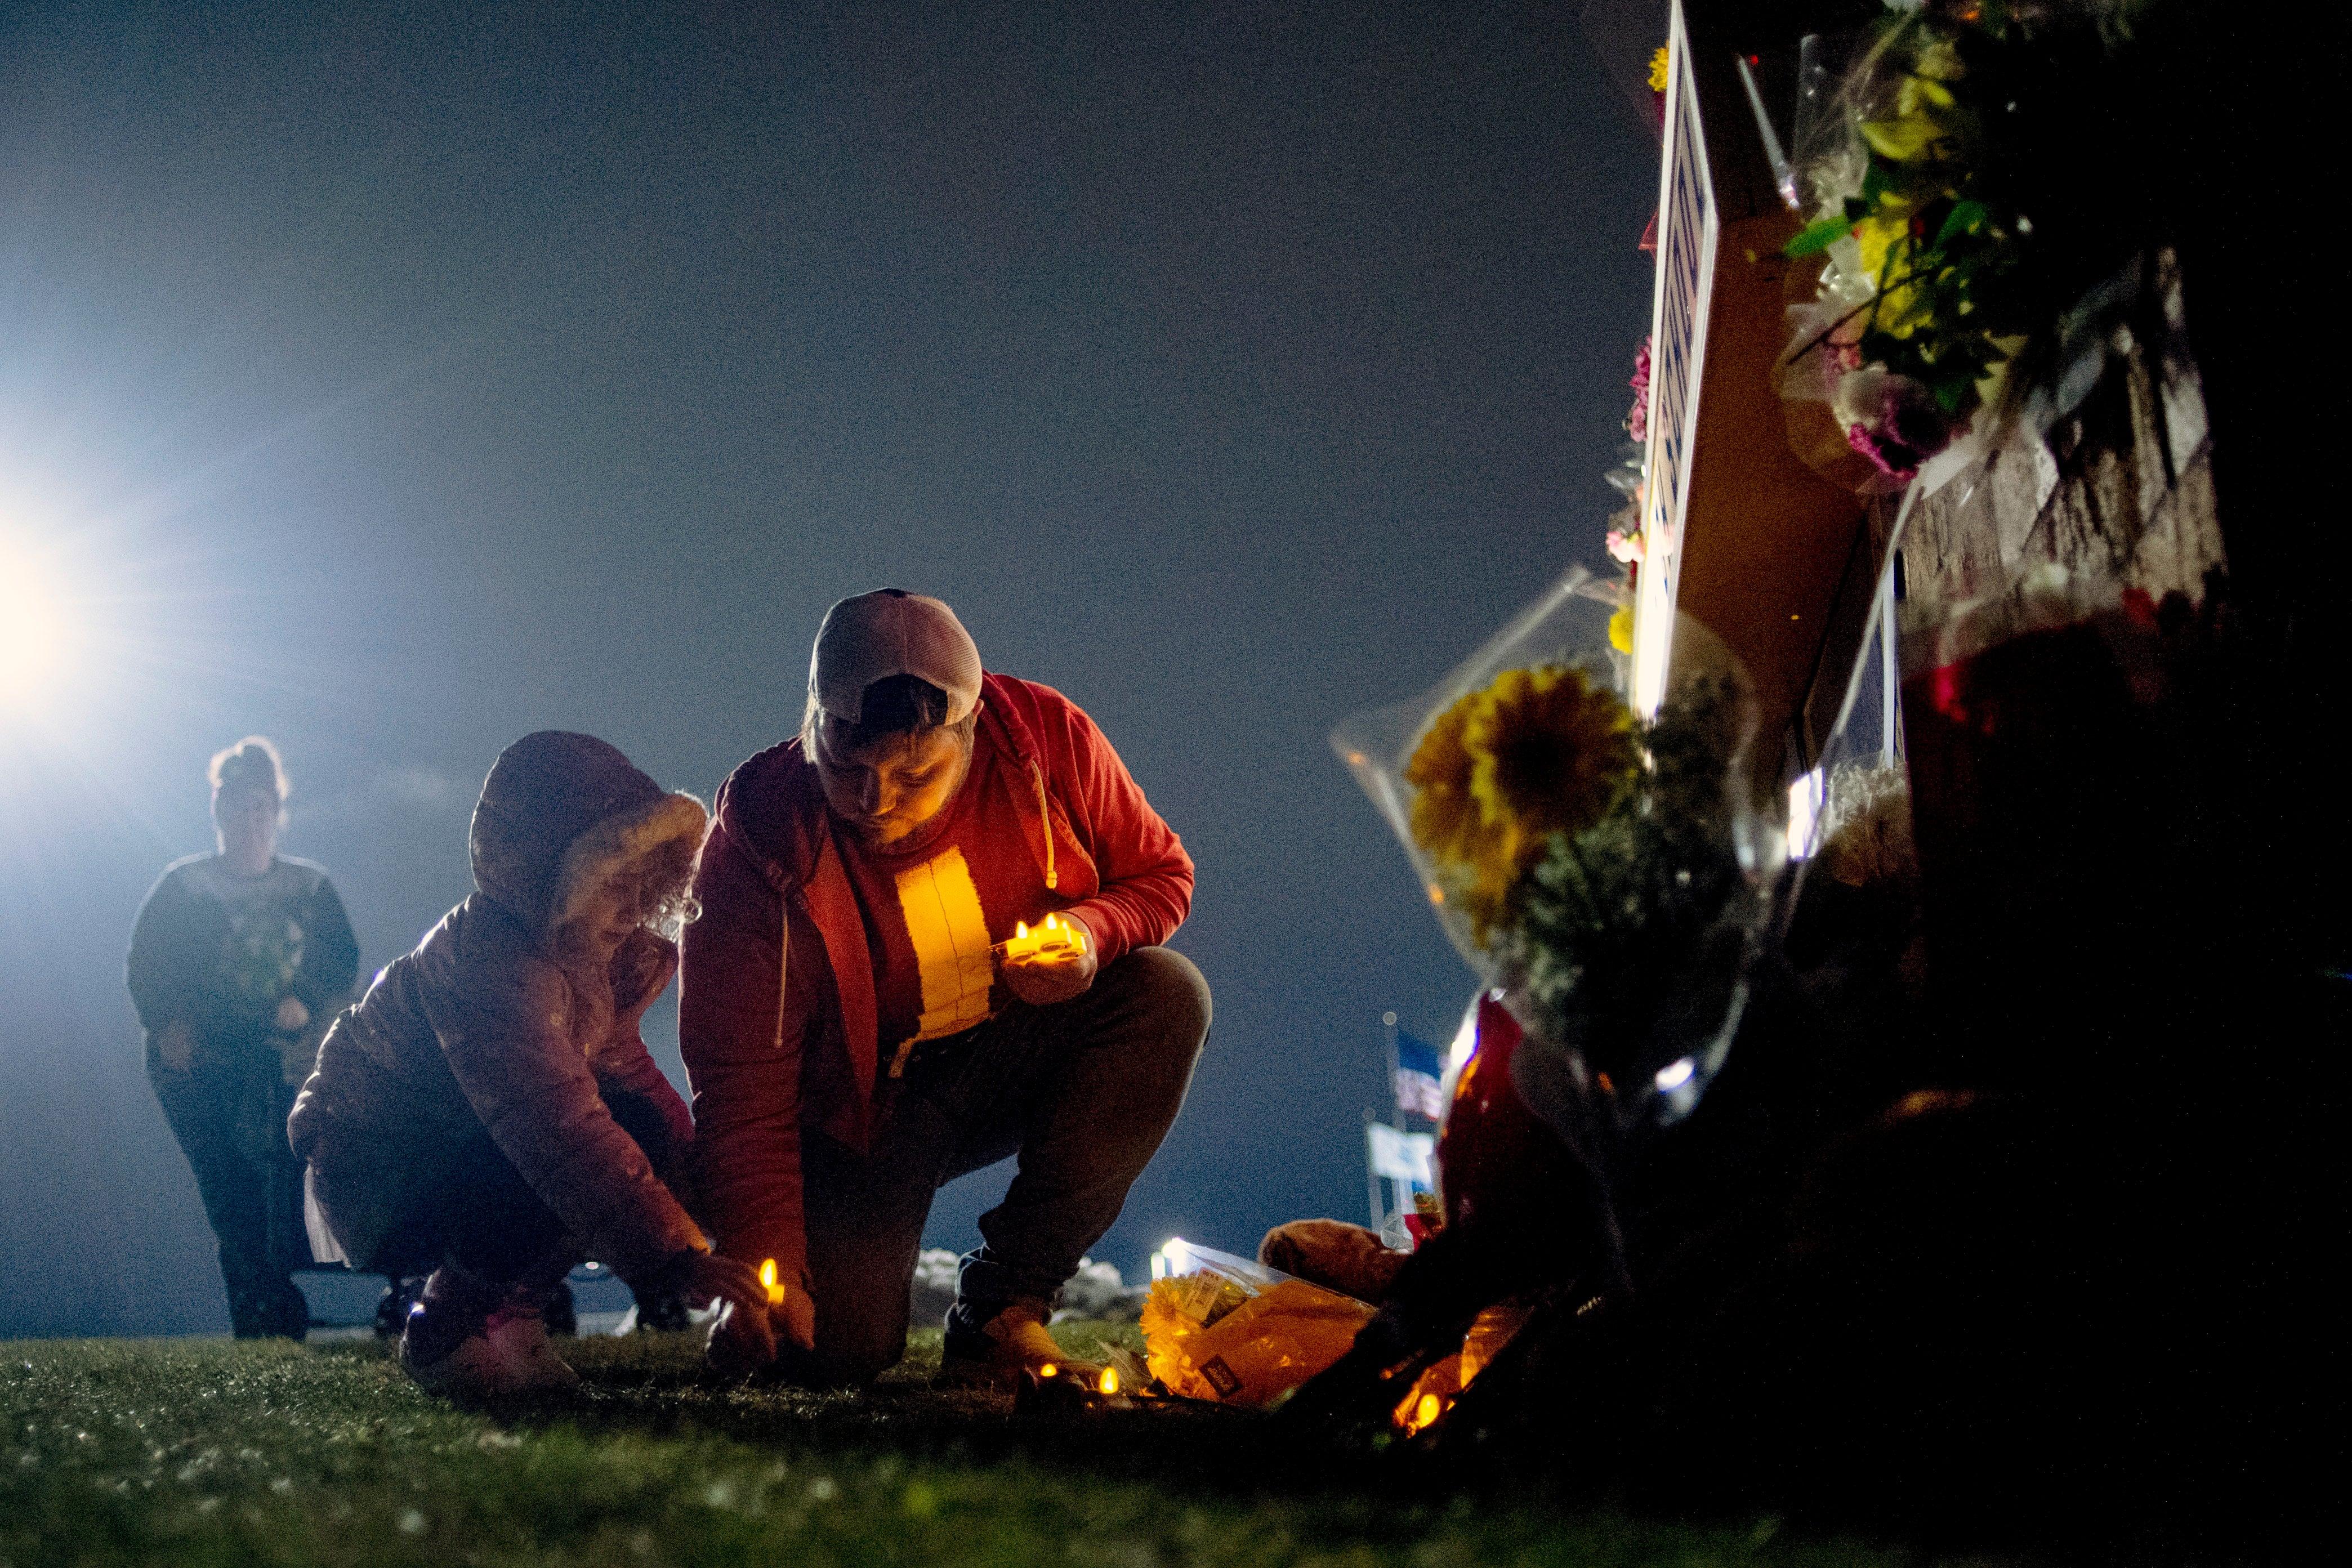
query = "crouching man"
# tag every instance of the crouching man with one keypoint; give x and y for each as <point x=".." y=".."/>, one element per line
<point x="488" y="1110"/>
<point x="858" y="1034"/>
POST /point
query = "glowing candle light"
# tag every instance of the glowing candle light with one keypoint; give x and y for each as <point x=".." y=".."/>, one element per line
<point x="769" y="1283"/>
<point x="1110" y="1380"/>
<point x="1048" y="1370"/>
<point x="1054" y="938"/>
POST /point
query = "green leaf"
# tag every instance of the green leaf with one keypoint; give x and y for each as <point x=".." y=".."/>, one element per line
<point x="1956" y="389"/>
<point x="1817" y="236"/>
<point x="1966" y="218"/>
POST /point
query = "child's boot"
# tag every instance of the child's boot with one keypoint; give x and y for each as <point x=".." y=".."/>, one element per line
<point x="517" y="1328"/>
<point x="468" y="1339"/>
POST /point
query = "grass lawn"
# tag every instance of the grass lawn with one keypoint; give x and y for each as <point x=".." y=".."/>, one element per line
<point x="211" y="1451"/>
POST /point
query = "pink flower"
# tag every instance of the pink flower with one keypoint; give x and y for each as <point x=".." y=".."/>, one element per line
<point x="1625" y="548"/>
<point x="1891" y="420"/>
<point x="1637" y="422"/>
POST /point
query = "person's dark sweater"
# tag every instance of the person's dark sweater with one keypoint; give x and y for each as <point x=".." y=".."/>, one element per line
<point x="219" y="952"/>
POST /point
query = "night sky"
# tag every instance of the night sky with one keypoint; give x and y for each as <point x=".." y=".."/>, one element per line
<point x="395" y="384"/>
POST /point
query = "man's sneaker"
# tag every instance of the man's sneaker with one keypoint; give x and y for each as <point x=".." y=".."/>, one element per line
<point x="468" y="1340"/>
<point x="996" y="1353"/>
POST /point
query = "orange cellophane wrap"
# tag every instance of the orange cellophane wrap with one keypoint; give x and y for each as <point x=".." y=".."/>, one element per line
<point x="1267" y="1345"/>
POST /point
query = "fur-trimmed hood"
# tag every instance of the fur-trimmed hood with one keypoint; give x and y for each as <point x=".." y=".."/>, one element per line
<point x="558" y="813"/>
<point x="618" y="840"/>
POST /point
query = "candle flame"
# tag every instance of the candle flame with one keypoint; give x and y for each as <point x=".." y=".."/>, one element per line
<point x="1020" y="928"/>
<point x="1048" y="1370"/>
<point x="1110" y="1380"/>
<point x="769" y="1283"/>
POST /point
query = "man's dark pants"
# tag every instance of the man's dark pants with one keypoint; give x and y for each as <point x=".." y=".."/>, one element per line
<point x="1082" y="1091"/>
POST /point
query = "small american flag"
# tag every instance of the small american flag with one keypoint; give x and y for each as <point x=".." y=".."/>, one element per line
<point x="1420" y="1077"/>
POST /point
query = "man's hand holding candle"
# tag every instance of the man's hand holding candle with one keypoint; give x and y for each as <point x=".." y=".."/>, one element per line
<point x="1050" y="964"/>
<point x="791" y="1309"/>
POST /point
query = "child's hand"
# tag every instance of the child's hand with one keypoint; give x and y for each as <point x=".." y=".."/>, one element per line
<point x="741" y="1338"/>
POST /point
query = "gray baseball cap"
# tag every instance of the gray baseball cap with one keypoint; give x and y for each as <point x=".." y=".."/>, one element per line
<point x="886" y="632"/>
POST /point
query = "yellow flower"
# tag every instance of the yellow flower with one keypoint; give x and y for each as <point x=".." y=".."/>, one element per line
<point x="1538" y="752"/>
<point x="1929" y="125"/>
<point x="1550" y="753"/>
<point x="1166" y="1327"/>
<point x="1658" y="70"/>
<point x="1444" y="817"/>
<point x="1884" y="235"/>
<point x="1621" y="629"/>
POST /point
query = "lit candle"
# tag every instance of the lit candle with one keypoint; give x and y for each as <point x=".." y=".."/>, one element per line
<point x="769" y="1283"/>
<point x="1052" y="939"/>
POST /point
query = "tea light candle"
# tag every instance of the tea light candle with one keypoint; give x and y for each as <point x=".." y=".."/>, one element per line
<point x="1052" y="939"/>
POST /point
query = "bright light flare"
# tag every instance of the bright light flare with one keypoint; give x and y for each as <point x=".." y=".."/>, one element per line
<point x="36" y="636"/>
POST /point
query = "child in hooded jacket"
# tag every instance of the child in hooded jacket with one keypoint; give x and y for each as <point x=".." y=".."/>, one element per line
<point x="488" y="1110"/>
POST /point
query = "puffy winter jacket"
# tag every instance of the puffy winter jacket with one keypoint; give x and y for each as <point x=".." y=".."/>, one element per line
<point x="482" y="1029"/>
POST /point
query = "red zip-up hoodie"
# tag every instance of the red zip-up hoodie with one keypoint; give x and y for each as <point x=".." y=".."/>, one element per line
<point x="765" y="1067"/>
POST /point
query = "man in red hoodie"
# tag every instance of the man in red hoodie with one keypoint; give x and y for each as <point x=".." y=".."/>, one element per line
<point x="857" y="1033"/>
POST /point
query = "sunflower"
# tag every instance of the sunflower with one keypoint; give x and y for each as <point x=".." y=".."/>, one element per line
<point x="1553" y="754"/>
<point x="1538" y="752"/>
<point x="1445" y="818"/>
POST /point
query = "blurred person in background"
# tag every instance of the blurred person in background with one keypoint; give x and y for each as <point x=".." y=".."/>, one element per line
<point x="488" y="1111"/>
<point x="239" y="962"/>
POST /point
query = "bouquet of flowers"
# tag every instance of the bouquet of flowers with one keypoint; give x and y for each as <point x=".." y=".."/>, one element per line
<point x="1954" y="228"/>
<point x="1608" y="874"/>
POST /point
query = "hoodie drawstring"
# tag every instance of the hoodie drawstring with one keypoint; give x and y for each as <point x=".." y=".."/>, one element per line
<point x="1045" y="819"/>
<point x="784" y="956"/>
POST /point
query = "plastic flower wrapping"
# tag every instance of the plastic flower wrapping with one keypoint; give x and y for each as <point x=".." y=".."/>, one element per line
<point x="1232" y="1331"/>
<point x="1610" y="875"/>
<point x="1966" y="260"/>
